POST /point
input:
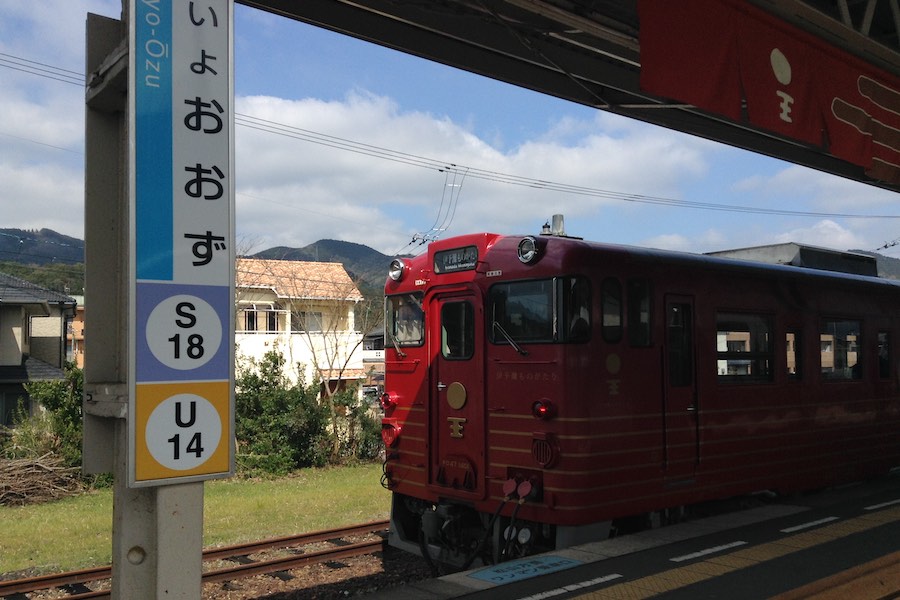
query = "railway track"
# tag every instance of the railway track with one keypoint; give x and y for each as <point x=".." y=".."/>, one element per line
<point x="75" y="583"/>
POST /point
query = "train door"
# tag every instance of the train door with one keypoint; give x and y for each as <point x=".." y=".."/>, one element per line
<point x="457" y="396"/>
<point x="680" y="392"/>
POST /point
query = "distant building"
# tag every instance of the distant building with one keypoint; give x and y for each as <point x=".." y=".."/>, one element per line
<point x="75" y="335"/>
<point x="33" y="326"/>
<point x="305" y="310"/>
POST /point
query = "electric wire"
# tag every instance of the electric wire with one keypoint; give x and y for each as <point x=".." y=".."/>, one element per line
<point x="340" y="143"/>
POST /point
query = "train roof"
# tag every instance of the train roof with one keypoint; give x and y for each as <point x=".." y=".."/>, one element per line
<point x="812" y="257"/>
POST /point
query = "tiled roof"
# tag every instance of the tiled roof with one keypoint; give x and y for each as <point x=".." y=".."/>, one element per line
<point x="18" y="291"/>
<point x="31" y="369"/>
<point x="298" y="280"/>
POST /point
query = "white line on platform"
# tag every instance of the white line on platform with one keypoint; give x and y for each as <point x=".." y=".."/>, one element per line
<point x="808" y="525"/>
<point x="707" y="551"/>
<point x="572" y="587"/>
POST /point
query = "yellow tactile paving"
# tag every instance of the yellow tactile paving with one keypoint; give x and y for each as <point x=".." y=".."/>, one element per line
<point x="714" y="566"/>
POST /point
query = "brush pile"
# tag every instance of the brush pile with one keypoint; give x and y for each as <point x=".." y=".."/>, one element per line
<point x="32" y="481"/>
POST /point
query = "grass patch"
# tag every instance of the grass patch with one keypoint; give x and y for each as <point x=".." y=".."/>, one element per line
<point x="76" y="533"/>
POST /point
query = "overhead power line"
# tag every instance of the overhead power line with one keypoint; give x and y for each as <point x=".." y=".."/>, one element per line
<point x="339" y="143"/>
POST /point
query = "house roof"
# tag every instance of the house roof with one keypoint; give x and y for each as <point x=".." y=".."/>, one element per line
<point x="18" y="291"/>
<point x="31" y="369"/>
<point x="297" y="280"/>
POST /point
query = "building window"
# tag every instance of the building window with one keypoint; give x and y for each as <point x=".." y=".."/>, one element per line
<point x="839" y="341"/>
<point x="271" y="320"/>
<point x="744" y="348"/>
<point x="249" y="320"/>
<point x="307" y="321"/>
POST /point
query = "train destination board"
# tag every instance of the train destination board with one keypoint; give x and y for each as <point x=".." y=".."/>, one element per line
<point x="181" y="409"/>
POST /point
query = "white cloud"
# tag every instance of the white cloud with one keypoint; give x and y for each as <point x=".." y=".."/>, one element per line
<point x="372" y="191"/>
<point x="826" y="234"/>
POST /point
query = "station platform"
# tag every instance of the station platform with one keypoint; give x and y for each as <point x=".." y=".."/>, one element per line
<point x="838" y="544"/>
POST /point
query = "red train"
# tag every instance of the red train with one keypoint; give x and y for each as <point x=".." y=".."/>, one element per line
<point x="539" y="388"/>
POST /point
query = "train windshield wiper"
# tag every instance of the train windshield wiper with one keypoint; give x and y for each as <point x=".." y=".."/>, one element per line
<point x="509" y="339"/>
<point x="400" y="352"/>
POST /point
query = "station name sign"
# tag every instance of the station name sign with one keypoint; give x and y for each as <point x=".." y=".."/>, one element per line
<point x="181" y="201"/>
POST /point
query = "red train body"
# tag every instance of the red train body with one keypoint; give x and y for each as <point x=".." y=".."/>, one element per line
<point x="539" y="388"/>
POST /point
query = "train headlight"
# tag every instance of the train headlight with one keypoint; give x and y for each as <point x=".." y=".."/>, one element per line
<point x="528" y="250"/>
<point x="395" y="271"/>
<point x="543" y="410"/>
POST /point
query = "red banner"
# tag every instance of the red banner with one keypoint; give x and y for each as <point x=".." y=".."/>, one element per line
<point x="732" y="59"/>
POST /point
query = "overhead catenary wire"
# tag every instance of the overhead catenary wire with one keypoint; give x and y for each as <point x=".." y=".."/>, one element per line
<point x="337" y="142"/>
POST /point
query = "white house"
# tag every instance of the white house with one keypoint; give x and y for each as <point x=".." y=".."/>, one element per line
<point x="306" y="310"/>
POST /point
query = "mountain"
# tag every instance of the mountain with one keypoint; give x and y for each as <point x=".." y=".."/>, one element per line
<point x="39" y="247"/>
<point x="365" y="265"/>
<point x="888" y="267"/>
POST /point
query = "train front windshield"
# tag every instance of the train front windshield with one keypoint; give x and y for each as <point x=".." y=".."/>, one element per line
<point x="405" y="319"/>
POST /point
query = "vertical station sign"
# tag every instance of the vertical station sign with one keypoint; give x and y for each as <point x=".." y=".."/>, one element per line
<point x="181" y="140"/>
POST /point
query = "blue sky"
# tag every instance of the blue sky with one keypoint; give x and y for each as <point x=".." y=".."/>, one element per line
<point x="292" y="191"/>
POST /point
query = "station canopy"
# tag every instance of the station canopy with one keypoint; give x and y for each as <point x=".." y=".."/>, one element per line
<point x="814" y="82"/>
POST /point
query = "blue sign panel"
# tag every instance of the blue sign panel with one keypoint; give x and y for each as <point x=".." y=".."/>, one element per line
<point x="524" y="568"/>
<point x="153" y="139"/>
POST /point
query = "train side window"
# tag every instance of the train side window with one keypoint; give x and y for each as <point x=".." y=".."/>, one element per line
<point x="839" y="349"/>
<point x="793" y="355"/>
<point x="611" y="310"/>
<point x="884" y="354"/>
<point x="744" y="348"/>
<point x="681" y="345"/>
<point x="576" y="308"/>
<point x="457" y="330"/>
<point x="522" y="312"/>
<point x="638" y="312"/>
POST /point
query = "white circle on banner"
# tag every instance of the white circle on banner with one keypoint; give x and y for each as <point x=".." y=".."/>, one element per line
<point x="183" y="431"/>
<point x="184" y="332"/>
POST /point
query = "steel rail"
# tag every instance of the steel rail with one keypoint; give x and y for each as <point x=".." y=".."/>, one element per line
<point x="58" y="580"/>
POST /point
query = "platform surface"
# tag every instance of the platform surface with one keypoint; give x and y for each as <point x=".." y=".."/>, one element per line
<point x="836" y="544"/>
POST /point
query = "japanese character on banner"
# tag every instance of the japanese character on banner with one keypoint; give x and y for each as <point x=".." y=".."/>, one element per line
<point x="198" y="21"/>
<point x="200" y="67"/>
<point x="202" y="119"/>
<point x="203" y="248"/>
<point x="195" y="186"/>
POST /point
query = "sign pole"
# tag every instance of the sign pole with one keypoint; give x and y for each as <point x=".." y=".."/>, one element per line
<point x="159" y="232"/>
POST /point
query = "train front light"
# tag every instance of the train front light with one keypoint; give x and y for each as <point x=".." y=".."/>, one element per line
<point x="395" y="271"/>
<point x="528" y="250"/>
<point x="390" y="432"/>
<point x="388" y="401"/>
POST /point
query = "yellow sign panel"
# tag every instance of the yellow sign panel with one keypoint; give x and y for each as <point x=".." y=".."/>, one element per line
<point x="182" y="429"/>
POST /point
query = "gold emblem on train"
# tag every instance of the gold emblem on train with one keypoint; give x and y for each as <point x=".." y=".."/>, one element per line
<point x="456" y="395"/>
<point x="456" y="426"/>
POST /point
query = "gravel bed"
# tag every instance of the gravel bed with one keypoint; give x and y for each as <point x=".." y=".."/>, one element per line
<point x="348" y="578"/>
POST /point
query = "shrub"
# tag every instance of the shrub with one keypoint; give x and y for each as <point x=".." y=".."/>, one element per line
<point x="279" y="426"/>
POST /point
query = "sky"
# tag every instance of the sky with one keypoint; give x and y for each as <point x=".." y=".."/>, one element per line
<point x="384" y="149"/>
